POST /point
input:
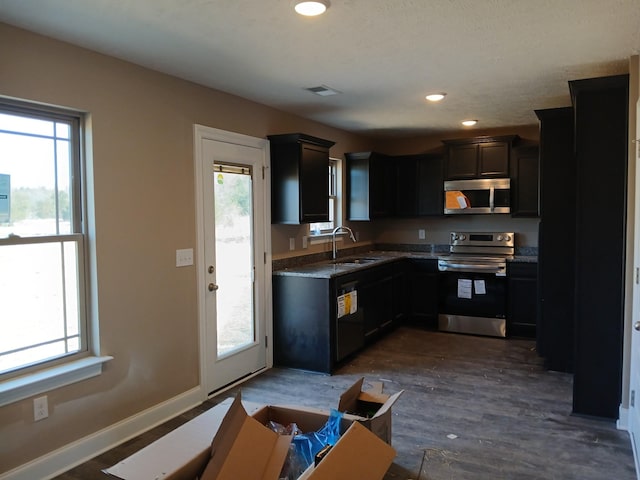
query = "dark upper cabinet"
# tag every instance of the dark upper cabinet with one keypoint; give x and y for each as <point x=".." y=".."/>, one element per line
<point x="478" y="157"/>
<point x="299" y="178"/>
<point x="370" y="185"/>
<point x="419" y="186"/>
<point x="524" y="182"/>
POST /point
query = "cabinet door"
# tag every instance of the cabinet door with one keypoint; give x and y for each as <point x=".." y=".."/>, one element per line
<point x="400" y="290"/>
<point x="523" y="300"/>
<point x="493" y="159"/>
<point x="463" y="161"/>
<point x="424" y="293"/>
<point x="371" y="184"/>
<point x="381" y="186"/>
<point x="430" y="185"/>
<point x="375" y="295"/>
<point x="524" y="182"/>
<point x="407" y="185"/>
<point x="314" y="184"/>
<point x="299" y="178"/>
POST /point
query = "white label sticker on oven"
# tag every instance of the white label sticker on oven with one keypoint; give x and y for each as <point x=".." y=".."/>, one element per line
<point x="464" y="288"/>
<point x="479" y="287"/>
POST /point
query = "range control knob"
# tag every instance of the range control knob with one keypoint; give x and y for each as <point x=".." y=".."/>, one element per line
<point x="507" y="238"/>
<point x="463" y="237"/>
<point x="499" y="238"/>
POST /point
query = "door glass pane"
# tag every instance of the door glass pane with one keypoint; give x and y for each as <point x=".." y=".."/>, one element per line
<point x="234" y="258"/>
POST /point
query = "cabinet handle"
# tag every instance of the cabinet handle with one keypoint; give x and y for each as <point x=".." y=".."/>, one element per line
<point x="213" y="287"/>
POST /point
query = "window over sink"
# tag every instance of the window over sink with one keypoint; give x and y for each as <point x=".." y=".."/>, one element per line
<point x="335" y="201"/>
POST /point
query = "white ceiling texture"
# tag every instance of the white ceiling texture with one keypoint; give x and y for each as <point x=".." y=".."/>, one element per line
<point x="497" y="60"/>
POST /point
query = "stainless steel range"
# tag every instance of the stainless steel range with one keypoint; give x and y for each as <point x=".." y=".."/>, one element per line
<point x="473" y="283"/>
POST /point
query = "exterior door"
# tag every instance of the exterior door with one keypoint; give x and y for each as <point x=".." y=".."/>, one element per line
<point x="634" y="387"/>
<point x="232" y="246"/>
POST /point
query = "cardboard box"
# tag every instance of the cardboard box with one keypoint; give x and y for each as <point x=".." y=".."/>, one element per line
<point x="370" y="406"/>
<point x="243" y="448"/>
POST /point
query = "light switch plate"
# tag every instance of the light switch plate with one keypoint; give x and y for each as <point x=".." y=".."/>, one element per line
<point x="421" y="234"/>
<point x="184" y="257"/>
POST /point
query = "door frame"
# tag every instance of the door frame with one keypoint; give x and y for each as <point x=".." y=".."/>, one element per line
<point x="202" y="133"/>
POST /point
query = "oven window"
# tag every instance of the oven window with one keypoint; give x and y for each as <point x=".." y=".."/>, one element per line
<point x="484" y="297"/>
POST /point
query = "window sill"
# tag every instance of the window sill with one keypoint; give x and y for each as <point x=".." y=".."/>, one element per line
<point x="19" y="388"/>
<point x="325" y="237"/>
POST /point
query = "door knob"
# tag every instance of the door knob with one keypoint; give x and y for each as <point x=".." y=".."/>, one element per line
<point x="637" y="326"/>
<point x="213" y="287"/>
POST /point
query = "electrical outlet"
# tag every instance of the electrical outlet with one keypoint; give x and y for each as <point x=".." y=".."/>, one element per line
<point x="40" y="408"/>
<point x="292" y="243"/>
<point x="422" y="234"/>
<point x="184" y="257"/>
<point x="305" y="241"/>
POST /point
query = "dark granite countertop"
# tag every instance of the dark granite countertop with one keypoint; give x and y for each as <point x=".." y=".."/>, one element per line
<point x="361" y="261"/>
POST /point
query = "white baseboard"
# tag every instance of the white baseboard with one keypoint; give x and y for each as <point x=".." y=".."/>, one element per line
<point x="623" y="418"/>
<point x="61" y="460"/>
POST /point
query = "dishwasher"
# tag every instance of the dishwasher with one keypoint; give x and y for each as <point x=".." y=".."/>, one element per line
<point x="349" y="327"/>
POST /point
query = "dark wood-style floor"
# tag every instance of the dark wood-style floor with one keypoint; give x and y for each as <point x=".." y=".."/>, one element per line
<point x="473" y="408"/>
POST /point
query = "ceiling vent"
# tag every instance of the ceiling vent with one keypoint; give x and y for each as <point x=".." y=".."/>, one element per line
<point x="323" y="91"/>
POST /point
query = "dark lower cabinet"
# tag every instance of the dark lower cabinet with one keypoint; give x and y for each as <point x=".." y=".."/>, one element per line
<point x="423" y="288"/>
<point x="375" y="299"/>
<point x="522" y="292"/>
<point x="304" y="317"/>
<point x="314" y="329"/>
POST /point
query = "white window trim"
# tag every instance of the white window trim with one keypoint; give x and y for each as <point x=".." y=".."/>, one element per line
<point x="19" y="388"/>
<point x="16" y="388"/>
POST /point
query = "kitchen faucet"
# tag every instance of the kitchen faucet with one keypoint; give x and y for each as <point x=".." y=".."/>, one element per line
<point x="333" y="238"/>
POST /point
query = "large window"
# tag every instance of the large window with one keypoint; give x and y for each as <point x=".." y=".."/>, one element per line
<point x="42" y="238"/>
<point x="334" y="201"/>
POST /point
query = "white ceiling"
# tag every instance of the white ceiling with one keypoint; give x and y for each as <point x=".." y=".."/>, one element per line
<point x="498" y="60"/>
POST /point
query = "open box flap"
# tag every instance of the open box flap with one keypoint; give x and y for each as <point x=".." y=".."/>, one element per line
<point x="388" y="404"/>
<point x="182" y="453"/>
<point x="244" y="448"/>
<point x="349" y="399"/>
<point x="358" y="454"/>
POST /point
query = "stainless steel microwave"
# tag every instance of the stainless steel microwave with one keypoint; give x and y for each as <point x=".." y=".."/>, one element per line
<point x="478" y="196"/>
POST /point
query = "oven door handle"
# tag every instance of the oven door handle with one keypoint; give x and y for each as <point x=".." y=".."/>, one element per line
<point x="476" y="268"/>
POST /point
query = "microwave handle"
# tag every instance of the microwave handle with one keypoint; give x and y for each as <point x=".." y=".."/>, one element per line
<point x="491" y="198"/>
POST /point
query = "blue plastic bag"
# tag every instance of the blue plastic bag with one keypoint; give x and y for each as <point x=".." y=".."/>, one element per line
<point x="307" y="445"/>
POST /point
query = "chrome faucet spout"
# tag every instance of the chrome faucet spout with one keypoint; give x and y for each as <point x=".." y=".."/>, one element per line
<point x="333" y="238"/>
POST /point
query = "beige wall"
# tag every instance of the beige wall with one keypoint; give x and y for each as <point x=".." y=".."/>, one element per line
<point x="141" y="130"/>
<point x="142" y="135"/>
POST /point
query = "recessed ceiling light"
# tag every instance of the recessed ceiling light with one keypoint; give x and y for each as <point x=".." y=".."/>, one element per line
<point x="435" y="97"/>
<point x="311" y="8"/>
<point x="469" y="123"/>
